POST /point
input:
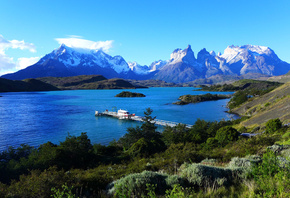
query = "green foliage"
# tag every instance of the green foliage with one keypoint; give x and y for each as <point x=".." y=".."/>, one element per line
<point x="206" y="176"/>
<point x="135" y="184"/>
<point x="146" y="131"/>
<point x="226" y="135"/>
<point x="75" y="152"/>
<point x="218" y="87"/>
<point x="145" y="148"/>
<point x="37" y="183"/>
<point x="238" y="98"/>
<point x="211" y="143"/>
<point x="273" y="125"/>
<point x="271" y="180"/>
<point x="198" y="131"/>
<point x="65" y="192"/>
<point x="175" y="135"/>
<point x="186" y="99"/>
<point x="180" y="192"/>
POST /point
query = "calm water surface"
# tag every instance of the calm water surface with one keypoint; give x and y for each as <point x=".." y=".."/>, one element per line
<point x="35" y="118"/>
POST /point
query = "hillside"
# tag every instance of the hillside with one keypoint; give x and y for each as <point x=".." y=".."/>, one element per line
<point x="282" y="78"/>
<point x="244" y="84"/>
<point x="25" y="85"/>
<point x="275" y="104"/>
<point x="87" y="82"/>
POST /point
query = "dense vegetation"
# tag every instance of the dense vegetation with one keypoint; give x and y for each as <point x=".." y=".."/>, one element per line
<point x="186" y="99"/>
<point x="129" y="94"/>
<point x="210" y="159"/>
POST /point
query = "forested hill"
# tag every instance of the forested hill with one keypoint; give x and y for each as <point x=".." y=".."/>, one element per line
<point x="25" y="85"/>
<point x="64" y="83"/>
<point x="88" y="82"/>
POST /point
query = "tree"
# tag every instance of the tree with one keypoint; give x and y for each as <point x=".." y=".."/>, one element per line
<point x="175" y="135"/>
<point x="147" y="131"/>
<point x="273" y="125"/>
<point x="75" y="152"/>
<point x="198" y="131"/>
<point x="226" y="135"/>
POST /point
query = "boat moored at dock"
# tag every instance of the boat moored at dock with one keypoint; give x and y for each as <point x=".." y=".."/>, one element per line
<point x="123" y="114"/>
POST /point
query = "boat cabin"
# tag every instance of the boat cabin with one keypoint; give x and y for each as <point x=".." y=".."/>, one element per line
<point x="123" y="114"/>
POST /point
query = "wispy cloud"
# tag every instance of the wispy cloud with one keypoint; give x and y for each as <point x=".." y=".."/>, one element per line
<point x="15" y="44"/>
<point x="8" y="64"/>
<point x="78" y="42"/>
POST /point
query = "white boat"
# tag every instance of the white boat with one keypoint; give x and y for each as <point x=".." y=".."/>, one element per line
<point x="123" y="114"/>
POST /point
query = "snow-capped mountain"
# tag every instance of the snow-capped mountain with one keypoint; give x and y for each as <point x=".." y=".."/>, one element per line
<point x="181" y="67"/>
<point x="66" y="61"/>
<point x="75" y="57"/>
<point x="139" y="69"/>
<point x="252" y="59"/>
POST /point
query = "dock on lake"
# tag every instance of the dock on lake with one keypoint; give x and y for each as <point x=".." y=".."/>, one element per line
<point x="123" y="114"/>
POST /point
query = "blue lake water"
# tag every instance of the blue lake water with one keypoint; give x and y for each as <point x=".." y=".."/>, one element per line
<point x="35" y="118"/>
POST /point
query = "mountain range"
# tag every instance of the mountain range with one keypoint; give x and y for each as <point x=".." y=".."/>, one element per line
<point x="182" y="66"/>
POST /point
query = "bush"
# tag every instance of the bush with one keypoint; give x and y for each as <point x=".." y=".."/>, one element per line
<point x="273" y="125"/>
<point x="145" y="148"/>
<point x="238" y="98"/>
<point x="175" y="135"/>
<point x="245" y="165"/>
<point x="271" y="179"/>
<point x="134" y="185"/>
<point x="207" y="176"/>
<point x="211" y="143"/>
<point x="226" y="135"/>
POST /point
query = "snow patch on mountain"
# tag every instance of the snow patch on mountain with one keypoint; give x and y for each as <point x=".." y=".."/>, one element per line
<point x="72" y="57"/>
<point x="156" y="65"/>
<point x="138" y="69"/>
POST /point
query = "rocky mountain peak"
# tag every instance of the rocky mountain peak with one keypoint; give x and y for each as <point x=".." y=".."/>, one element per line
<point x="202" y="55"/>
<point x="186" y="56"/>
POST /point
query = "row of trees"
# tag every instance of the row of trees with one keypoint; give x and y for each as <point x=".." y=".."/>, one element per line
<point x="90" y="168"/>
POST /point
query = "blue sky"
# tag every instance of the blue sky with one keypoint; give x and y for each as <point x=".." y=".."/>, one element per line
<point x="141" y="31"/>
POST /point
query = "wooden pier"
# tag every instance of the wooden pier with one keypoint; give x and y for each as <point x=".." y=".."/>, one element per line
<point x="138" y="118"/>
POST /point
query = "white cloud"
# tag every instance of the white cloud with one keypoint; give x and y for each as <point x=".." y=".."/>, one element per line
<point x="78" y="42"/>
<point x="22" y="63"/>
<point x="15" y="44"/>
<point x="8" y="64"/>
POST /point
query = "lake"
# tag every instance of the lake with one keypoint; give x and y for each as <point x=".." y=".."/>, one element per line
<point x="35" y="118"/>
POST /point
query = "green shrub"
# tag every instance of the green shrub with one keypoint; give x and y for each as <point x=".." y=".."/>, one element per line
<point x="207" y="176"/>
<point x="238" y="98"/>
<point x="65" y="192"/>
<point x="135" y="184"/>
<point x="175" y="135"/>
<point x="271" y="179"/>
<point x="273" y="125"/>
<point x="211" y="143"/>
<point x="226" y="135"/>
